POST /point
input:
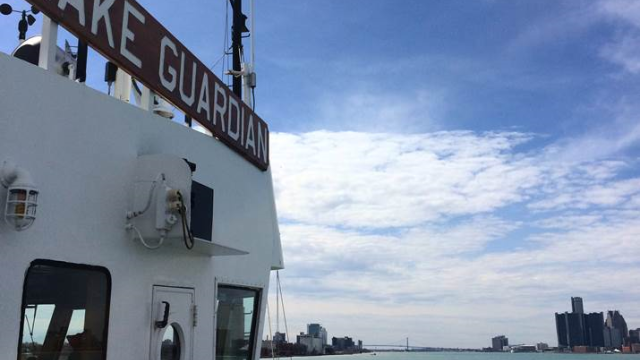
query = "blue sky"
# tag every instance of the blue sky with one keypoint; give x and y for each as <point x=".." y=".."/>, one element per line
<point x="444" y="170"/>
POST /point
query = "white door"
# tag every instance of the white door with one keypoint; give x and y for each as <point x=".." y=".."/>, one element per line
<point x="172" y="323"/>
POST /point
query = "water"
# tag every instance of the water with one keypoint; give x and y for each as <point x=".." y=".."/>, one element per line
<point x="468" y="356"/>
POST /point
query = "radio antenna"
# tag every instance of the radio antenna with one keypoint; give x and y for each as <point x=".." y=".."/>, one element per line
<point x="244" y="79"/>
<point x="238" y="28"/>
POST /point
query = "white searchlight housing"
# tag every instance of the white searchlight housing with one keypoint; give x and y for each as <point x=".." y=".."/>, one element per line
<point x="65" y="61"/>
<point x="22" y="196"/>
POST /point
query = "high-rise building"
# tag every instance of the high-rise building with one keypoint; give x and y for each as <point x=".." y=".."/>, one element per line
<point x="499" y="342"/>
<point x="323" y="336"/>
<point x="615" y="331"/>
<point x="634" y="336"/>
<point x="579" y="329"/>
<point x="576" y="305"/>
<point x="594" y="329"/>
<point x="562" y="330"/>
<point x="570" y="329"/>
<point x="616" y="320"/>
<point x="575" y="327"/>
<point x="612" y="338"/>
<point x="316" y="330"/>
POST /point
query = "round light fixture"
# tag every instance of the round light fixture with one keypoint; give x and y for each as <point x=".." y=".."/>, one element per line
<point x="22" y="196"/>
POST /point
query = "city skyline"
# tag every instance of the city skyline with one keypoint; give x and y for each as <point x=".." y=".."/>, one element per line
<point x="582" y="329"/>
<point x="594" y="332"/>
<point x="445" y="171"/>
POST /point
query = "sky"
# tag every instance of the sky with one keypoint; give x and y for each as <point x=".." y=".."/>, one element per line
<point x="446" y="171"/>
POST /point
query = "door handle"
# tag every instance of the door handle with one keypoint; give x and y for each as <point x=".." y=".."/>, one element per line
<point x="165" y="318"/>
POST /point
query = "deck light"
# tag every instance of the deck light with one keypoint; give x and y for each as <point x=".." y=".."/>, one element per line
<point x="22" y="196"/>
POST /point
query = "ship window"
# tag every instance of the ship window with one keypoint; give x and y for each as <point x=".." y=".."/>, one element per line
<point x="170" y="348"/>
<point x="65" y="310"/>
<point x="237" y="312"/>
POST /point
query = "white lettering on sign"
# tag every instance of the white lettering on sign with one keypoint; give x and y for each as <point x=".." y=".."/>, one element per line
<point x="168" y="84"/>
<point x="127" y="34"/>
<point x="217" y="108"/>
<point x="262" y="142"/>
<point x="203" y="102"/>
<point x="233" y="116"/>
<point x="76" y="4"/>
<point x="250" y="141"/>
<point x="191" y="98"/>
<point x="101" y="11"/>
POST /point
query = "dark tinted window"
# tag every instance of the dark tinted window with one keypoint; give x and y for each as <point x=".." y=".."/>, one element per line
<point x="236" y="323"/>
<point x="65" y="309"/>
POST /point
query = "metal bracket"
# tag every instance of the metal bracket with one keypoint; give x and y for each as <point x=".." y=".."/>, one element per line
<point x="165" y="318"/>
<point x="195" y="315"/>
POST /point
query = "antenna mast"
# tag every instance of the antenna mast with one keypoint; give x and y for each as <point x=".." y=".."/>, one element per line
<point x="249" y="75"/>
<point x="236" y="43"/>
<point x="244" y="79"/>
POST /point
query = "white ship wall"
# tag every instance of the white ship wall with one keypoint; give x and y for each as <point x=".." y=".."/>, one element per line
<point x="81" y="147"/>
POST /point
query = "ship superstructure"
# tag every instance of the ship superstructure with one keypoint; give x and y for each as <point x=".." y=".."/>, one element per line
<point x="124" y="235"/>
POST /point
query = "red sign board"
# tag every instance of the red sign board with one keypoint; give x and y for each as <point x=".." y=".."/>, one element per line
<point x="125" y="33"/>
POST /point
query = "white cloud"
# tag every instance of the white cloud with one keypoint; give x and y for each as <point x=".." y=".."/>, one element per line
<point x="628" y="10"/>
<point x="432" y="233"/>
<point x="369" y="109"/>
<point x="393" y="180"/>
<point x="622" y="50"/>
<point x="613" y="193"/>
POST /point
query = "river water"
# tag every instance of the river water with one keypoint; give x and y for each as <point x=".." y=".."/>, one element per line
<point x="469" y="356"/>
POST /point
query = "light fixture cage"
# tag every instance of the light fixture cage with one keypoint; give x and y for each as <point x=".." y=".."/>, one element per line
<point x="21" y="206"/>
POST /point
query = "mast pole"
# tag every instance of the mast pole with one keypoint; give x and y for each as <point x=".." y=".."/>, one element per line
<point x="253" y="34"/>
<point x="277" y="302"/>
<point x="248" y="75"/>
<point x="236" y="39"/>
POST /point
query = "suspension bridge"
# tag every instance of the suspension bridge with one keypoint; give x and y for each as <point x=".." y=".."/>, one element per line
<point x="398" y="346"/>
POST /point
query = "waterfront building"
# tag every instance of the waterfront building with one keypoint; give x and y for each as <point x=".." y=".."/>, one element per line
<point x="594" y="329"/>
<point x="576" y="305"/>
<point x="576" y="329"/>
<point x="499" y="342"/>
<point x="570" y="329"/>
<point x="279" y="338"/>
<point x="581" y="349"/>
<point x="314" y="344"/>
<point x="523" y="348"/>
<point x="542" y="346"/>
<point x="612" y="337"/>
<point x="342" y="344"/>
<point x="579" y="329"/>
<point x="634" y="336"/>
<point x="616" y="320"/>
<point x="561" y="331"/>
<point x="318" y="331"/>
<point x="314" y="329"/>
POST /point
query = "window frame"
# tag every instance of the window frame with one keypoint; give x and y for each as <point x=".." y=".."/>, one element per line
<point x="73" y="266"/>
<point x="254" y="319"/>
